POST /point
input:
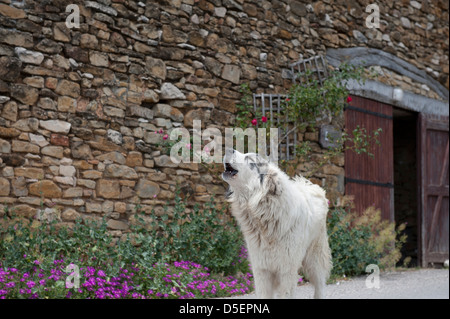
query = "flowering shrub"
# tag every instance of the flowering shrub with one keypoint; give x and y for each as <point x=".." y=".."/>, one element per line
<point x="180" y="280"/>
<point x="151" y="263"/>
<point x="204" y="235"/>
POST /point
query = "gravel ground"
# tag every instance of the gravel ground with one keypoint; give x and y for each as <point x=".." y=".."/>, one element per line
<point x="405" y="284"/>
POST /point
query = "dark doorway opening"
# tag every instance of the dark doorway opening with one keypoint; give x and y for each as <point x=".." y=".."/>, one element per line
<point x="405" y="182"/>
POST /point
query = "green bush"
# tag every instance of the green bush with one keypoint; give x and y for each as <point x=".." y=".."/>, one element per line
<point x="22" y="242"/>
<point x="178" y="254"/>
<point x="357" y="240"/>
<point x="205" y="236"/>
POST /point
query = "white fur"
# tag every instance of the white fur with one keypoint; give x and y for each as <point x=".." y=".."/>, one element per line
<point x="284" y="225"/>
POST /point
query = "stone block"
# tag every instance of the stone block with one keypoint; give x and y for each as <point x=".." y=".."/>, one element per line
<point x="54" y="151"/>
<point x="4" y="187"/>
<point x="107" y="188"/>
<point x="65" y="87"/>
<point x="156" y="67"/>
<point x="11" y="12"/>
<point x="60" y="140"/>
<point x="56" y="126"/>
<point x="120" y="171"/>
<point x="231" y="73"/>
<point x="117" y="224"/>
<point x="146" y="189"/>
<point x="45" y="188"/>
<point x="28" y="56"/>
<point x="24" y="147"/>
<point x="5" y="146"/>
<point x="24" y="93"/>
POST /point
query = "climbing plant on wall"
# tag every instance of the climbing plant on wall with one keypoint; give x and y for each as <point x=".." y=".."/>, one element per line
<point x="309" y="101"/>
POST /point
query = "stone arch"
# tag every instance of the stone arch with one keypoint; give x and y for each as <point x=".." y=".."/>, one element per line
<point x="371" y="57"/>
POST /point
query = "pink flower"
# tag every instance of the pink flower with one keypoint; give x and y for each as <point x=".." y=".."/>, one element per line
<point x="349" y="99"/>
<point x="254" y="122"/>
<point x="165" y="137"/>
<point x="161" y="131"/>
<point x="188" y="146"/>
<point x="206" y="149"/>
<point x="31" y="284"/>
<point x="264" y="119"/>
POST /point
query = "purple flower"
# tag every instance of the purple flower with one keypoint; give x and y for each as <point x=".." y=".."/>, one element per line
<point x="31" y="284"/>
<point x="10" y="285"/>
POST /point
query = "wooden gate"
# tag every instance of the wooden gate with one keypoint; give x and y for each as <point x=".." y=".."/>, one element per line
<point x="433" y="188"/>
<point x="371" y="179"/>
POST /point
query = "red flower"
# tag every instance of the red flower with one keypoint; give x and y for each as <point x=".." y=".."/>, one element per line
<point x="349" y="99"/>
<point x="254" y="121"/>
<point x="288" y="99"/>
<point x="264" y="119"/>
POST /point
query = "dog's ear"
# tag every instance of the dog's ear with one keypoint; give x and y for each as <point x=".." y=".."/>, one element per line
<point x="273" y="183"/>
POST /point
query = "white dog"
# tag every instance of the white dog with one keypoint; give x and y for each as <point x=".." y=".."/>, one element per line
<point x="283" y="222"/>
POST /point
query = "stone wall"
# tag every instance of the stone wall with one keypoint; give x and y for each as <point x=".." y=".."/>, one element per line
<point x="79" y="107"/>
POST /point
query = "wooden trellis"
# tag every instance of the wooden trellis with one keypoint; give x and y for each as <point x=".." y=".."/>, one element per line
<point x="306" y="70"/>
<point x="272" y="105"/>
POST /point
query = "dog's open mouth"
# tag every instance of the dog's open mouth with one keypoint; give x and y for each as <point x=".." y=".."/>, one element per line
<point x="230" y="171"/>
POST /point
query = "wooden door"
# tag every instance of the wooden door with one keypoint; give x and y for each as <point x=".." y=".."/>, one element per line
<point x="371" y="179"/>
<point x="433" y="188"/>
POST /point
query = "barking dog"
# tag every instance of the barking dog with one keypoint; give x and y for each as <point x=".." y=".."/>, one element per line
<point x="283" y="221"/>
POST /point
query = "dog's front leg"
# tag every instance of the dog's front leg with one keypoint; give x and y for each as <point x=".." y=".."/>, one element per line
<point x="264" y="283"/>
<point x="287" y="283"/>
